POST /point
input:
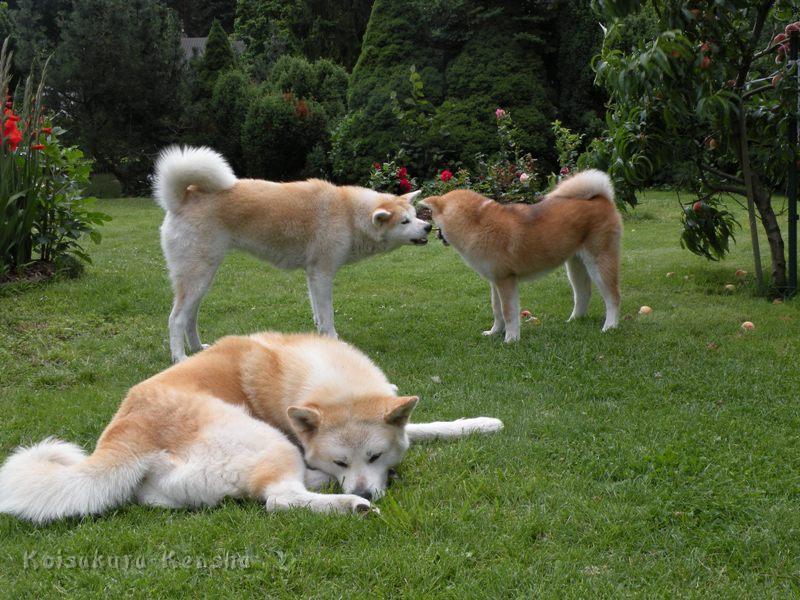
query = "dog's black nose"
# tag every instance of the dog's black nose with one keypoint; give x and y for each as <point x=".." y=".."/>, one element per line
<point x="366" y="494"/>
<point x="428" y="228"/>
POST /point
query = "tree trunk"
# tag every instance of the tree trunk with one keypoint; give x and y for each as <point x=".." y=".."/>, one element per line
<point x="772" y="228"/>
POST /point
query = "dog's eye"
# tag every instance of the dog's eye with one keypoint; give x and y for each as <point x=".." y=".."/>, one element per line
<point x="374" y="457"/>
<point x="340" y="463"/>
<point x="405" y="221"/>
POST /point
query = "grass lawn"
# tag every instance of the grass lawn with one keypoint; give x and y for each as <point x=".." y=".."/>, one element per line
<point x="660" y="459"/>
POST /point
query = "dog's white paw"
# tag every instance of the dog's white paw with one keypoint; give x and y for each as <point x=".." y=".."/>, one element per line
<point x="359" y="505"/>
<point x="480" y="425"/>
<point x="511" y="338"/>
<point x="490" y="332"/>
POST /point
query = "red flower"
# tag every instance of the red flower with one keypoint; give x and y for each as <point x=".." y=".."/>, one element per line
<point x="376" y="166"/>
<point x="10" y="116"/>
<point x="405" y="185"/>
<point x="446" y="175"/>
<point x="11" y="134"/>
<point x="47" y="130"/>
<point x="564" y="171"/>
<point x="37" y="147"/>
<point x="402" y="173"/>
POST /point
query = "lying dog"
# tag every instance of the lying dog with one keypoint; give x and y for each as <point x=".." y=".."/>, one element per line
<point x="313" y="225"/>
<point x="264" y="416"/>
<point x="577" y="223"/>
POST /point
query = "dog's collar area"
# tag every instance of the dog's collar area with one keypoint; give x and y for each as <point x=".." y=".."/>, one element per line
<point x="440" y="235"/>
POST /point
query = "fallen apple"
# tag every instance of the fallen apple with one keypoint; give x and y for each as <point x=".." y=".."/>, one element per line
<point x="645" y="310"/>
<point x="525" y="314"/>
<point x="748" y="326"/>
<point x="740" y="273"/>
<point x="729" y="287"/>
<point x="671" y="274"/>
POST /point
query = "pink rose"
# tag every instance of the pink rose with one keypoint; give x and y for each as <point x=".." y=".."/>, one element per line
<point x="500" y="113"/>
<point x="564" y="171"/>
<point x="523" y="177"/>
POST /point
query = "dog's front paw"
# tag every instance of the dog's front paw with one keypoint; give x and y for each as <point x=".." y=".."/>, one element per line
<point x="511" y="338"/>
<point x="492" y="331"/>
<point x="480" y="425"/>
<point x="362" y="506"/>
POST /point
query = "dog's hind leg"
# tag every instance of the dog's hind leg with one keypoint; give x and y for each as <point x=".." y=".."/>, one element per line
<point x="320" y="287"/>
<point x="452" y="429"/>
<point x="509" y="302"/>
<point x="581" y="286"/>
<point x="498" y="325"/>
<point x="604" y="270"/>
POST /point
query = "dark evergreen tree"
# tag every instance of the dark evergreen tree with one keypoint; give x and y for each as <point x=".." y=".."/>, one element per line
<point x="232" y="96"/>
<point x="116" y="74"/>
<point x="472" y="57"/>
<point x="312" y="28"/>
<point x="217" y="58"/>
<point x="197" y="15"/>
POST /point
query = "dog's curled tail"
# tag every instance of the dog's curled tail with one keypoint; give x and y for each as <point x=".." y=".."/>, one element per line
<point x="584" y="185"/>
<point x="179" y="167"/>
<point x="55" y="480"/>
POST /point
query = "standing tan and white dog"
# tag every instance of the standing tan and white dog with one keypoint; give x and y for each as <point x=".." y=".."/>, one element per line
<point x="313" y="225"/>
<point x="577" y="223"/>
<point x="265" y="416"/>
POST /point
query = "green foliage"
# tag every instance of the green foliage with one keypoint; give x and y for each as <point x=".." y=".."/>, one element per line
<point x="233" y="94"/>
<point x="218" y="58"/>
<point x="65" y="216"/>
<point x="707" y="228"/>
<point x="44" y="213"/>
<point x="197" y="16"/>
<point x="579" y="101"/>
<point x="311" y="28"/>
<point x="469" y="59"/>
<point x="321" y="80"/>
<point x="681" y="98"/>
<point x="116" y="73"/>
<point x="567" y="145"/>
<point x="392" y="178"/>
<point x="7" y="28"/>
<point x="279" y="133"/>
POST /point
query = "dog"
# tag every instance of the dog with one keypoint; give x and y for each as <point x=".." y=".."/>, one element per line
<point x="577" y="224"/>
<point x="265" y="416"/>
<point x="313" y="225"/>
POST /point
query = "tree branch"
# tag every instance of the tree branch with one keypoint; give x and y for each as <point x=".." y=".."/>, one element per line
<point x="720" y="173"/>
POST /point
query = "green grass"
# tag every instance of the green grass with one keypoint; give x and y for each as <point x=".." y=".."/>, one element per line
<point x="635" y="462"/>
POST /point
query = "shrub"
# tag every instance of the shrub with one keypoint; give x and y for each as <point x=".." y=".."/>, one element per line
<point x="279" y="133"/>
<point x="323" y="81"/>
<point x="389" y="177"/>
<point x="45" y="215"/>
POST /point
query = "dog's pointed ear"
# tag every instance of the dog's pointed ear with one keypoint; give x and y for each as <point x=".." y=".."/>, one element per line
<point x="380" y="216"/>
<point x="410" y="196"/>
<point x="428" y="202"/>
<point x="305" y="421"/>
<point x="399" y="410"/>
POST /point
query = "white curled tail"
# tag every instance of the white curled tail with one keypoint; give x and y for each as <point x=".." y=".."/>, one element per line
<point x="452" y="429"/>
<point x="177" y="168"/>
<point x="55" y="480"/>
<point x="585" y="185"/>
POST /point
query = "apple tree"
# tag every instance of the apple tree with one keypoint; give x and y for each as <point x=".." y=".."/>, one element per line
<point x="701" y="96"/>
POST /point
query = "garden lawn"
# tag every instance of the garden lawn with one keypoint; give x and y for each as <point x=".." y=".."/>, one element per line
<point x="659" y="459"/>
